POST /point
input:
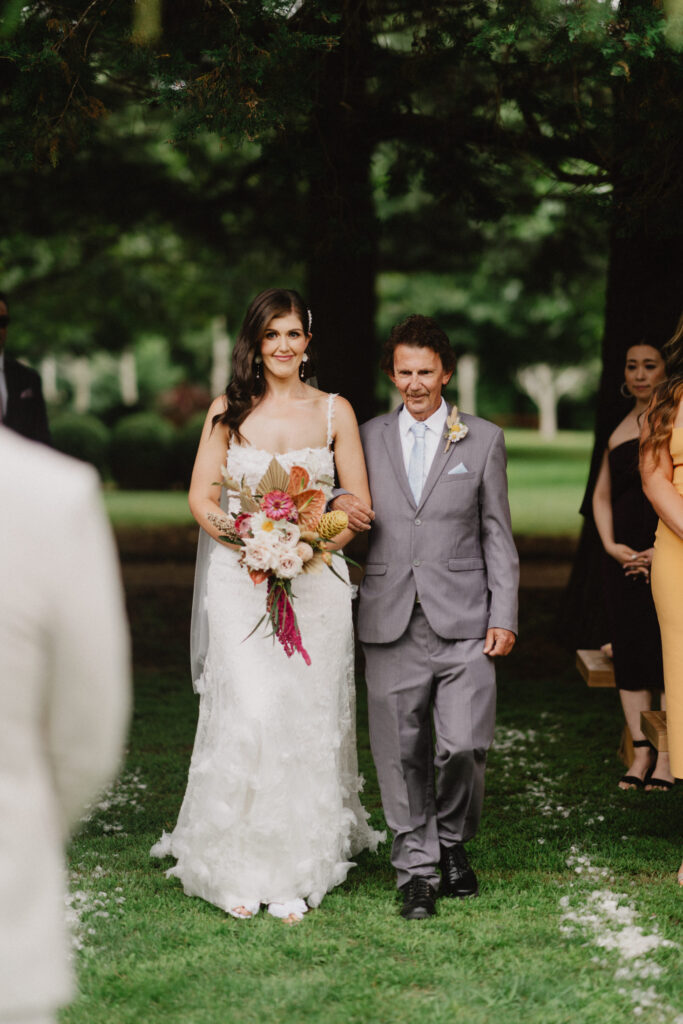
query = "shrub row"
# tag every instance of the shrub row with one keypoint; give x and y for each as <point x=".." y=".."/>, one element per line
<point x="142" y="452"/>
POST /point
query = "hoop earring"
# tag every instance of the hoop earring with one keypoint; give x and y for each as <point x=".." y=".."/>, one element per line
<point x="302" y="366"/>
<point x="627" y="393"/>
<point x="259" y="363"/>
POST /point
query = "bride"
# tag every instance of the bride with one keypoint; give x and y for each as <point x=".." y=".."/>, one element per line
<point x="271" y="813"/>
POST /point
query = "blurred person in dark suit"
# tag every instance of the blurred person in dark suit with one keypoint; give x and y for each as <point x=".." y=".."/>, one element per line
<point x="64" y="705"/>
<point x="22" y="406"/>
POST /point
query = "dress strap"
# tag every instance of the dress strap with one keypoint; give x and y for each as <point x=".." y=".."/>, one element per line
<point x="330" y="417"/>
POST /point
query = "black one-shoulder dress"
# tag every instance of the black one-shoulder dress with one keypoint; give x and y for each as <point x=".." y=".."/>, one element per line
<point x="631" y="615"/>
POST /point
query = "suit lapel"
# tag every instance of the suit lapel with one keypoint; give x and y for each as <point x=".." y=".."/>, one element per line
<point x="392" y="440"/>
<point x="439" y="463"/>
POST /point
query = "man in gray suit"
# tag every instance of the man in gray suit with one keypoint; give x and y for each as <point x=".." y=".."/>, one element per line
<point x="437" y="605"/>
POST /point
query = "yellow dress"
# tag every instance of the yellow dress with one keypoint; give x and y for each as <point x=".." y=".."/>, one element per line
<point x="667" y="584"/>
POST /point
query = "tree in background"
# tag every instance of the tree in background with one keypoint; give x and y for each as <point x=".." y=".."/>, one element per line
<point x="467" y="95"/>
<point x="322" y="88"/>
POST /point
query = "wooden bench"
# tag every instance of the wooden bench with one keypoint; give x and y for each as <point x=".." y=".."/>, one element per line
<point x="653" y="724"/>
<point x="598" y="671"/>
<point x="595" y="667"/>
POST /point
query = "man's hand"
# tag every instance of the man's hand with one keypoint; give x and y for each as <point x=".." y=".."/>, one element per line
<point x="499" y="642"/>
<point x="360" y="515"/>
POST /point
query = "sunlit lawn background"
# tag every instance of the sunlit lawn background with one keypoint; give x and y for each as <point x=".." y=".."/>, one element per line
<point x="547" y="480"/>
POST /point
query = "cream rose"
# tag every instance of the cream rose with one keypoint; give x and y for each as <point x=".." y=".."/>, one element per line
<point x="289" y="565"/>
<point x="304" y="551"/>
<point x="259" y="554"/>
<point x="289" y="533"/>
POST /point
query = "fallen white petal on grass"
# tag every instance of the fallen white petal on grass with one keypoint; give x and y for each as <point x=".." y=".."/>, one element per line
<point x="515" y="754"/>
<point x="608" y="920"/>
<point x="125" y="793"/>
<point x="85" y="904"/>
<point x="87" y="901"/>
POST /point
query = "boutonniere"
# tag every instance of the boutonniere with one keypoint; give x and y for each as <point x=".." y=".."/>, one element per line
<point x="455" y="428"/>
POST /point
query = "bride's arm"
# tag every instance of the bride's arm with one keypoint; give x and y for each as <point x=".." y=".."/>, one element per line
<point x="205" y="492"/>
<point x="349" y="460"/>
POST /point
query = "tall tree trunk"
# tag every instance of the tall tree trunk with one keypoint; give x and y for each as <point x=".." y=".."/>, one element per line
<point x="644" y="301"/>
<point x="220" y="353"/>
<point x="467" y="376"/>
<point x="644" y="288"/>
<point x="645" y="282"/>
<point x="342" y="226"/>
<point x="128" y="378"/>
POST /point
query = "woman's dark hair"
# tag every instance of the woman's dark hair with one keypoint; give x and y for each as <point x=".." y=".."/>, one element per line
<point x="420" y="332"/>
<point x="245" y="390"/>
<point x="667" y="396"/>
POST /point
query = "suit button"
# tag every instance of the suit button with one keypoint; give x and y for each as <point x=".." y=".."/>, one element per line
<point x="418" y="522"/>
<point x="416" y="562"/>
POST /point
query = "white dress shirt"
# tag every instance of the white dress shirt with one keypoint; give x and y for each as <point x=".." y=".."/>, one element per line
<point x="436" y="424"/>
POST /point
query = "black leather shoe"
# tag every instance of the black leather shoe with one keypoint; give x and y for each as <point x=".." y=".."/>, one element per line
<point x="458" y="880"/>
<point x="419" y="899"/>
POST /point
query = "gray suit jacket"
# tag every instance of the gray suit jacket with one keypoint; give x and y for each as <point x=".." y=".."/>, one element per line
<point x="454" y="551"/>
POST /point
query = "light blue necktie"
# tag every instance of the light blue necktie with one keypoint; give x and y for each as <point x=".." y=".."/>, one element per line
<point x="416" y="463"/>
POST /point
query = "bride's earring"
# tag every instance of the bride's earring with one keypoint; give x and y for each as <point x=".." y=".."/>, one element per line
<point x="259" y="364"/>
<point x="624" y="391"/>
<point x="302" y="366"/>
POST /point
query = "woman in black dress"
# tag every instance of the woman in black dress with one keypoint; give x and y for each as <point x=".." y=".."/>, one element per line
<point x="626" y="523"/>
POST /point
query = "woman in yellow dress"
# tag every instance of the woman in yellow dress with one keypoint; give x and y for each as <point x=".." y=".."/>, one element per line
<point x="662" y="475"/>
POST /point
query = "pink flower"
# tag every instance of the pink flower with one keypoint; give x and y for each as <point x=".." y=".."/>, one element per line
<point x="278" y="505"/>
<point x="242" y="524"/>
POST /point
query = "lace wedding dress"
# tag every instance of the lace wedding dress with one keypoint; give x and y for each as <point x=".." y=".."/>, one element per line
<point x="271" y="814"/>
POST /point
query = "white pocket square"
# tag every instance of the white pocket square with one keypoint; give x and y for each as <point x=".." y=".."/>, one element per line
<point x="460" y="468"/>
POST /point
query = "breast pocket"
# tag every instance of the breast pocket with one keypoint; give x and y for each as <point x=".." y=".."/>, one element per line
<point x="455" y="478"/>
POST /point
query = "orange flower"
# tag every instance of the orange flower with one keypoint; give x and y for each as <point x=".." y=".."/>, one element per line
<point x="310" y="506"/>
<point x="298" y="480"/>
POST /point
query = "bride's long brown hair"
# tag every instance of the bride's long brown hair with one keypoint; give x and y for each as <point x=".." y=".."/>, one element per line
<point x="245" y="389"/>
<point x="666" y="397"/>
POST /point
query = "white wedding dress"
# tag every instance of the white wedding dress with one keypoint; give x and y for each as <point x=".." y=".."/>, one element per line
<point x="272" y="813"/>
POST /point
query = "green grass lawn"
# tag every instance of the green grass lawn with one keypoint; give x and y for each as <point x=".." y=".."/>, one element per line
<point x="554" y="821"/>
<point x="147" y="508"/>
<point x="547" y="480"/>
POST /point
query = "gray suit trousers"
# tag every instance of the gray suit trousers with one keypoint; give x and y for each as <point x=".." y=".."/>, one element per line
<point x="413" y="681"/>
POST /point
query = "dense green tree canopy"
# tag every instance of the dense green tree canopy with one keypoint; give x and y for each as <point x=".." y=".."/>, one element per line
<point x="495" y="143"/>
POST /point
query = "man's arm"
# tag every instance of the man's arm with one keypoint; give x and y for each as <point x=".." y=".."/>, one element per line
<point x="500" y="554"/>
<point x="88" y="696"/>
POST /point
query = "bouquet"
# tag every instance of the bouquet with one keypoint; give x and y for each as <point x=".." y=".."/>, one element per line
<point x="282" y="528"/>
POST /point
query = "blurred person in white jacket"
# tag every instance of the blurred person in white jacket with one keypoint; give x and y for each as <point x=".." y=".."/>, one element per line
<point x="64" y="705"/>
